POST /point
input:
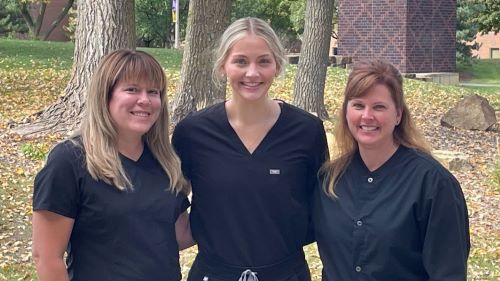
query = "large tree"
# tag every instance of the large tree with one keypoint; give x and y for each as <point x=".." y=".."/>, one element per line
<point x="487" y="17"/>
<point x="311" y="71"/>
<point x="102" y="26"/>
<point x="207" y="21"/>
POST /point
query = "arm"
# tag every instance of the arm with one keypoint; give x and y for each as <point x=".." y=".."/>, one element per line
<point x="51" y="234"/>
<point x="446" y="243"/>
<point x="183" y="231"/>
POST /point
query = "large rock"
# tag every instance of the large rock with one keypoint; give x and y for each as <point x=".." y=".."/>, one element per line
<point x="454" y="160"/>
<point x="471" y="113"/>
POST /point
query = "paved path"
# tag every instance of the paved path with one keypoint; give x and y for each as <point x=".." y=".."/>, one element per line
<point x="478" y="85"/>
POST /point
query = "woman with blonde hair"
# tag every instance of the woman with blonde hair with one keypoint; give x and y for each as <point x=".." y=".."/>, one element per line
<point x="113" y="195"/>
<point x="252" y="162"/>
<point x="388" y="210"/>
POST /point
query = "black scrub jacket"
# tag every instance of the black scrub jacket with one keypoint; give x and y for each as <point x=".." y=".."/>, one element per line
<point x="407" y="220"/>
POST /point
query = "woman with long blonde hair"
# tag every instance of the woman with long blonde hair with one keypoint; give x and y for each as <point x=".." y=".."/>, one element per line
<point x="113" y="196"/>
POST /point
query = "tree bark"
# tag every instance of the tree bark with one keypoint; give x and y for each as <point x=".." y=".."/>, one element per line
<point x="207" y="21"/>
<point x="310" y="79"/>
<point x="102" y="26"/>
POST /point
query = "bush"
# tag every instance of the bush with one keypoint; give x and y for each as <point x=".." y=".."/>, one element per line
<point x="11" y="22"/>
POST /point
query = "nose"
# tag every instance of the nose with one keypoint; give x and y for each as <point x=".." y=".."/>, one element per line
<point x="367" y="113"/>
<point x="252" y="70"/>
<point x="144" y="98"/>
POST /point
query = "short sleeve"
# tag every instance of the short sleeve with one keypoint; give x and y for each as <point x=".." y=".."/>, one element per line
<point x="181" y="147"/>
<point x="446" y="243"/>
<point x="56" y="185"/>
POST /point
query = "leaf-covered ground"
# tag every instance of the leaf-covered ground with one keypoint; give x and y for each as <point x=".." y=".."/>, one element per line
<point x="24" y="91"/>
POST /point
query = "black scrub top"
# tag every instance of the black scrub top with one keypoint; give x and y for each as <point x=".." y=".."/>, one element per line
<point x="251" y="209"/>
<point x="407" y="220"/>
<point x="117" y="235"/>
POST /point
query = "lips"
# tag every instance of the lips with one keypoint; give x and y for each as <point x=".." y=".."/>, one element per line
<point x="368" y="128"/>
<point x="251" y="84"/>
<point x="140" y="113"/>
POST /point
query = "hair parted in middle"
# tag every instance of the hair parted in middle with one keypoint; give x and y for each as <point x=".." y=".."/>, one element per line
<point x="238" y="30"/>
<point x="364" y="76"/>
<point x="98" y="131"/>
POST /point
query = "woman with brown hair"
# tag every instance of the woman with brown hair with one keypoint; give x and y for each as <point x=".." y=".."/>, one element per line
<point x="388" y="210"/>
<point x="113" y="195"/>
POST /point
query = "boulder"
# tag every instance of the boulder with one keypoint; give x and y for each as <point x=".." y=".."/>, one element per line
<point x="471" y="113"/>
<point x="454" y="160"/>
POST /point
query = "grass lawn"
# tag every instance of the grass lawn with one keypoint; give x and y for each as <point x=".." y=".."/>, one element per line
<point x="25" y="54"/>
<point x="485" y="71"/>
<point x="33" y="75"/>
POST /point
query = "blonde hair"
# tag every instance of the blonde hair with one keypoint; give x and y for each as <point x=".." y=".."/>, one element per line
<point x="98" y="131"/>
<point x="364" y="76"/>
<point x="238" y="30"/>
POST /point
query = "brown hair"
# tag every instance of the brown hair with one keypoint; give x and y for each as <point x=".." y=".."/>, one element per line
<point x="98" y="132"/>
<point x="364" y="76"/>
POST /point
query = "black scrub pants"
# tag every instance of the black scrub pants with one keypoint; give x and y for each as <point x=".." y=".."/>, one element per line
<point x="293" y="268"/>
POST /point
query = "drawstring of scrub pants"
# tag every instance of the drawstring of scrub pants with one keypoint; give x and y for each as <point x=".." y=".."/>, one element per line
<point x="248" y="275"/>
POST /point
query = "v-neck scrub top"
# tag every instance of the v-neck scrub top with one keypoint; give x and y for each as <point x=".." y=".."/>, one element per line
<point x="250" y="209"/>
<point x="407" y="220"/>
<point x="117" y="235"/>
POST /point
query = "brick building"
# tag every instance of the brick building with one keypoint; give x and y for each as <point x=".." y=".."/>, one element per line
<point x="52" y="11"/>
<point x="489" y="46"/>
<point x="417" y="36"/>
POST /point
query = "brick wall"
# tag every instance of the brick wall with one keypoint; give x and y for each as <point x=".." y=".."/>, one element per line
<point x="486" y="43"/>
<point x="415" y="35"/>
<point x="52" y="11"/>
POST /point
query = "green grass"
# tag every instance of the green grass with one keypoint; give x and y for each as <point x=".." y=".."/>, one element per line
<point x="483" y="71"/>
<point x="26" y="54"/>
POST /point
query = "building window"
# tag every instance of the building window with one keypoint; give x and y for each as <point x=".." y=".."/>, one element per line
<point x="494" y="53"/>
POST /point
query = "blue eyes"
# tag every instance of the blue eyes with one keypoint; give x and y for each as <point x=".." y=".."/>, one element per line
<point x="245" y="62"/>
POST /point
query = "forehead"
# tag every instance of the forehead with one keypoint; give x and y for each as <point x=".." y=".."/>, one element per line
<point x="377" y="93"/>
<point x="250" y="45"/>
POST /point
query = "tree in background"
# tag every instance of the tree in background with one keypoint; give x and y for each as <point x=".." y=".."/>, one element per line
<point x="102" y="26"/>
<point x="207" y="21"/>
<point x="487" y="15"/>
<point x="310" y="79"/>
<point x="153" y="22"/>
<point x="11" y="21"/>
<point x="466" y="30"/>
<point x="34" y="23"/>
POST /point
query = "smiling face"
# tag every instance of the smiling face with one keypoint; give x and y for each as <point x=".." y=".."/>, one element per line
<point x="372" y="118"/>
<point x="134" y="107"/>
<point x="250" y="68"/>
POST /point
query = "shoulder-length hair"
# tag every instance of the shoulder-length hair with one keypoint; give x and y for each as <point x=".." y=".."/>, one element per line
<point x="99" y="133"/>
<point x="364" y="76"/>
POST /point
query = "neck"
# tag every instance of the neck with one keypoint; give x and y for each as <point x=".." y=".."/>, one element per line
<point x="251" y="112"/>
<point x="130" y="147"/>
<point x="374" y="158"/>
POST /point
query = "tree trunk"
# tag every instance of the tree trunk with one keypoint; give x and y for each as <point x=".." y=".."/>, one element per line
<point x="309" y="84"/>
<point x="207" y="21"/>
<point x="102" y="26"/>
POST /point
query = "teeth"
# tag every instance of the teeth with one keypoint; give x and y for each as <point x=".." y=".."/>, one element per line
<point x="142" y="114"/>
<point x="368" y="128"/>
<point x="251" y="84"/>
